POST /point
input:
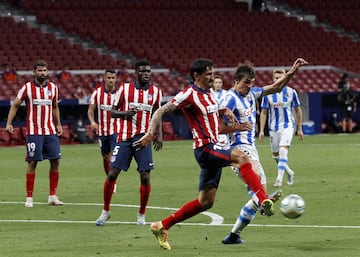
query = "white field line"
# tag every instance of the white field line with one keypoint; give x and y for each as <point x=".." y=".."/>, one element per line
<point x="216" y="220"/>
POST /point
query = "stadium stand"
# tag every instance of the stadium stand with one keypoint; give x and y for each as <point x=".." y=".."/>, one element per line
<point x="337" y="13"/>
<point x="169" y="28"/>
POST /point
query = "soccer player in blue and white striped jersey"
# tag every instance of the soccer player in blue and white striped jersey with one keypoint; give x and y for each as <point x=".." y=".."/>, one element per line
<point x="277" y="109"/>
<point x="241" y="100"/>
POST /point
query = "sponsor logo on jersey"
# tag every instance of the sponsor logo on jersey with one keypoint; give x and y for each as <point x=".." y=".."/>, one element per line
<point x="105" y="107"/>
<point x="42" y="102"/>
<point x="140" y="106"/>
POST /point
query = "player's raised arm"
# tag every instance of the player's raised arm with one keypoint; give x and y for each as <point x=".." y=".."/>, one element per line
<point x="279" y="84"/>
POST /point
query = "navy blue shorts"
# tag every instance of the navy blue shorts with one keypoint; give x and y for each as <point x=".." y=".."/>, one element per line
<point x="212" y="158"/>
<point x="107" y="143"/>
<point x="41" y="147"/>
<point x="123" y="152"/>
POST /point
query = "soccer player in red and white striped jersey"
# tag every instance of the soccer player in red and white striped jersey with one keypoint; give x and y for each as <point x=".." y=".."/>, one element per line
<point x="134" y="103"/>
<point x="43" y="128"/>
<point x="107" y="127"/>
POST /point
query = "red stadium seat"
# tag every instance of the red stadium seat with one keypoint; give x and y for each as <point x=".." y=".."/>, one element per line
<point x="17" y="137"/>
<point x="168" y="131"/>
<point x="4" y="137"/>
<point x="65" y="137"/>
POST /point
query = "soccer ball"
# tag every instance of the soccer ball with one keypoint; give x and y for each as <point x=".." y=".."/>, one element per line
<point x="292" y="206"/>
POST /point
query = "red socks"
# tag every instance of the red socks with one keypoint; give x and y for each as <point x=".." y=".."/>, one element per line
<point x="54" y="180"/>
<point x="30" y="179"/>
<point x="108" y="192"/>
<point x="144" y="197"/>
<point x="253" y="181"/>
<point x="188" y="210"/>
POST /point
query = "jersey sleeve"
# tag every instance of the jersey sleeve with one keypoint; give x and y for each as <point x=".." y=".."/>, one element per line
<point x="265" y="102"/>
<point x="22" y="94"/>
<point x="118" y="95"/>
<point x="296" y="100"/>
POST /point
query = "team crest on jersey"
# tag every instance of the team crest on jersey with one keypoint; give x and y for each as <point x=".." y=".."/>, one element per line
<point x="150" y="97"/>
<point x="49" y="93"/>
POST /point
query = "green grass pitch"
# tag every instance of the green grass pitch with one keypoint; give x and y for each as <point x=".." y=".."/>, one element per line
<point x="327" y="177"/>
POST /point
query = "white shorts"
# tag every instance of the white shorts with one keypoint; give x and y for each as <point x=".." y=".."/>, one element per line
<point x="280" y="138"/>
<point x="223" y="138"/>
<point x="253" y="155"/>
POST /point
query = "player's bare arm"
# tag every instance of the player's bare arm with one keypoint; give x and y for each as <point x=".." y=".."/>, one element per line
<point x="115" y="113"/>
<point x="154" y="124"/>
<point x="263" y="115"/>
<point x="279" y="84"/>
<point x="158" y="141"/>
<point x="226" y="129"/>
<point x="12" y="113"/>
<point x="299" y="120"/>
<point x="91" y="117"/>
<point x="229" y="115"/>
<point x="56" y="116"/>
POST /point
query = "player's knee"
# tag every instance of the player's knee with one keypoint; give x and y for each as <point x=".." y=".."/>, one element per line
<point x="112" y="175"/>
<point x="241" y="157"/>
<point x="206" y="204"/>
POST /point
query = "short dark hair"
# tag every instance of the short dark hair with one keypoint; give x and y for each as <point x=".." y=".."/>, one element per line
<point x="199" y="66"/>
<point x="38" y="63"/>
<point x="244" y="69"/>
<point x="141" y="63"/>
<point x="110" y="71"/>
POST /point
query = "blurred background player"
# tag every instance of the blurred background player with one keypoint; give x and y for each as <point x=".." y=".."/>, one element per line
<point x="219" y="93"/>
<point x="134" y="103"/>
<point x="107" y="127"/>
<point x="281" y="125"/>
<point x="43" y="128"/>
<point x="241" y="99"/>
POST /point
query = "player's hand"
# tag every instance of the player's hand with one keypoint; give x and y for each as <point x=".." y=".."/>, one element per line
<point x="157" y="144"/>
<point x="129" y="113"/>
<point x="230" y="116"/>
<point x="298" y="62"/>
<point x="94" y="127"/>
<point x="59" y="130"/>
<point x="143" y="142"/>
<point x="10" y="129"/>
<point x="261" y="136"/>
<point x="300" y="135"/>
<point x="245" y="126"/>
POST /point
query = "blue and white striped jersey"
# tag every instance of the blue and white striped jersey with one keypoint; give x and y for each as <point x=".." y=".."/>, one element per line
<point x="218" y="95"/>
<point x="244" y="108"/>
<point x="279" y="106"/>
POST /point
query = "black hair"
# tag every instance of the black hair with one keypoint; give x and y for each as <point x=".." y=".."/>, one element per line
<point x="141" y="63"/>
<point x="110" y="71"/>
<point x="199" y="66"/>
<point x="244" y="69"/>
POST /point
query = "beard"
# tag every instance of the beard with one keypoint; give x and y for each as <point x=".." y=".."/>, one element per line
<point x="41" y="78"/>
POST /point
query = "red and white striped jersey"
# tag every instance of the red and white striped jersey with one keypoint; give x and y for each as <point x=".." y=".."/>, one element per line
<point x="201" y="111"/>
<point x="130" y="95"/>
<point x="39" y="103"/>
<point x="104" y="100"/>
